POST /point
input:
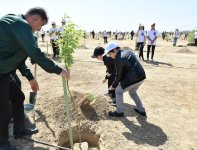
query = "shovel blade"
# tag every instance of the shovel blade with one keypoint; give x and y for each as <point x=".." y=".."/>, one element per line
<point x="32" y="97"/>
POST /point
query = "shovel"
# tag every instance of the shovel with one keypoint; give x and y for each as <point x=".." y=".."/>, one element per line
<point x="29" y="108"/>
<point x="96" y="88"/>
<point x="33" y="95"/>
<point x="85" y="99"/>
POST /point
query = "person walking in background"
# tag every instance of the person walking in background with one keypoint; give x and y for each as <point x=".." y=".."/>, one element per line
<point x="42" y="34"/>
<point x="110" y="69"/>
<point x="176" y="36"/>
<point x="129" y="76"/>
<point x="132" y="34"/>
<point x="152" y="37"/>
<point x="93" y="34"/>
<point x="163" y="35"/>
<point x="16" y="44"/>
<point x="54" y="33"/>
<point x="195" y="38"/>
<point x="116" y="35"/>
<point x="141" y="40"/>
<point x="105" y="36"/>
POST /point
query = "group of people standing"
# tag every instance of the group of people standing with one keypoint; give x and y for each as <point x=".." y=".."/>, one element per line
<point x="151" y="37"/>
<point x="55" y="33"/>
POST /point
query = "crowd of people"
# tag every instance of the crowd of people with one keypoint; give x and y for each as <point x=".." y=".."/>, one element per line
<point x="141" y="37"/>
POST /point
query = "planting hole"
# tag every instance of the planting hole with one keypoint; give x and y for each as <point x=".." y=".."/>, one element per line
<point x="85" y="136"/>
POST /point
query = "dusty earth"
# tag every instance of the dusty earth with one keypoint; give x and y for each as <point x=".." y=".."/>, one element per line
<point x="169" y="95"/>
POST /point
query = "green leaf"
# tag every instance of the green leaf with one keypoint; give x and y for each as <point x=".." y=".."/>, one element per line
<point x="68" y="42"/>
<point x="190" y="37"/>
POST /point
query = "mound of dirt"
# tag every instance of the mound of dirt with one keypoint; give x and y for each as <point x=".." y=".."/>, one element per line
<point x="83" y="109"/>
<point x="81" y="105"/>
<point x="184" y="50"/>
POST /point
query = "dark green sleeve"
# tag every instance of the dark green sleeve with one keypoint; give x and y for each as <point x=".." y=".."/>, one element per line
<point x="25" y="71"/>
<point x="22" y="35"/>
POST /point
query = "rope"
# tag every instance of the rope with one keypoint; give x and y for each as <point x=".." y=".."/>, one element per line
<point x="47" y="144"/>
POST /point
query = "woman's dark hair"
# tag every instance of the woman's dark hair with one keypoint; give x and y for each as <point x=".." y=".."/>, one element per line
<point x="113" y="50"/>
<point x="140" y="27"/>
<point x="38" y="11"/>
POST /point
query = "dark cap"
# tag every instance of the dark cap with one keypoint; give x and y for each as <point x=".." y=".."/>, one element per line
<point x="98" y="51"/>
<point x="153" y="24"/>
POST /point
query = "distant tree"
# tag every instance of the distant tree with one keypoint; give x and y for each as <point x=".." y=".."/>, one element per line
<point x="190" y="37"/>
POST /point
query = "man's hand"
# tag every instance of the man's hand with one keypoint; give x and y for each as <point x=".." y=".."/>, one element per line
<point x="65" y="73"/>
<point x="111" y="88"/>
<point x="34" y="85"/>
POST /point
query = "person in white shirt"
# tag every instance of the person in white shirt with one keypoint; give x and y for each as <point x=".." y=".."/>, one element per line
<point x="53" y="33"/>
<point x="42" y="34"/>
<point x="152" y="37"/>
<point x="61" y="29"/>
<point x="176" y="36"/>
<point x="105" y="36"/>
<point x="141" y="40"/>
<point x="195" y="38"/>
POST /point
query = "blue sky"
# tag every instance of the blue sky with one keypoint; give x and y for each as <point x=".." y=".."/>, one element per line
<point x="124" y="15"/>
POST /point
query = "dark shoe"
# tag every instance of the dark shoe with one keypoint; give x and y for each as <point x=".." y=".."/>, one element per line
<point x="114" y="102"/>
<point x="26" y="132"/>
<point x="141" y="113"/>
<point x="7" y="146"/>
<point x="115" y="114"/>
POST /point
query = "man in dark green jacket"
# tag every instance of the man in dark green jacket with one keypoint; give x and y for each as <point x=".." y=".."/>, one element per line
<point x="16" y="44"/>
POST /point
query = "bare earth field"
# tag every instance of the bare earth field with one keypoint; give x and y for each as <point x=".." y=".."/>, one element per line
<point x="169" y="95"/>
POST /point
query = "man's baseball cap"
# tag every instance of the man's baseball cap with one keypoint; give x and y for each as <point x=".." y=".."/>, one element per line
<point x="98" y="51"/>
<point x="110" y="46"/>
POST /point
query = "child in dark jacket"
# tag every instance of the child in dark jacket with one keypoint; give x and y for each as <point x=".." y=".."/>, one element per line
<point x="110" y="69"/>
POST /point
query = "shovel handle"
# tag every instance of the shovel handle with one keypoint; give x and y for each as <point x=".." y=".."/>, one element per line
<point x="97" y="87"/>
<point x="47" y="144"/>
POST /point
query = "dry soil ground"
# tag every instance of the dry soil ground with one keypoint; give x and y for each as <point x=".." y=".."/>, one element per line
<point x="169" y="95"/>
